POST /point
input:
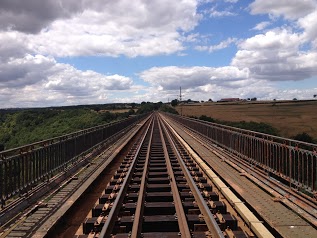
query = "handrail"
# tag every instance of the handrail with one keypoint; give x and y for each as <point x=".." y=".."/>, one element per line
<point x="293" y="162"/>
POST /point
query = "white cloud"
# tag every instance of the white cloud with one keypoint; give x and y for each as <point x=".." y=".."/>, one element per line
<point x="225" y="13"/>
<point x="232" y="1"/>
<point x="290" y="9"/>
<point x="138" y="28"/>
<point x="276" y="56"/>
<point x="41" y="81"/>
<point x="33" y="33"/>
<point x="309" y="23"/>
<point x="262" y="25"/>
<point x="222" y="45"/>
<point x="12" y="45"/>
<point x="32" y="16"/>
<point x="172" y="77"/>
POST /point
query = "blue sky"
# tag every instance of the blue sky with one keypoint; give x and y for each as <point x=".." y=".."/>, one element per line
<point x="70" y="52"/>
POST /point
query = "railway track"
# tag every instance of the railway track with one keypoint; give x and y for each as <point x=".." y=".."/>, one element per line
<point x="160" y="191"/>
<point x="287" y="211"/>
<point x="304" y="205"/>
<point x="48" y="202"/>
<point x="168" y="182"/>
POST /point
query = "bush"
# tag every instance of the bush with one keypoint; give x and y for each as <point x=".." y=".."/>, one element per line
<point x="304" y="137"/>
<point x="166" y="108"/>
<point x="205" y="118"/>
<point x="251" y="126"/>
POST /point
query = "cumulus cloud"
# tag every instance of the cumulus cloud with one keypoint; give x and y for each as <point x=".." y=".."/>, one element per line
<point x="275" y="55"/>
<point x="33" y="15"/>
<point x="33" y="33"/>
<point x="38" y="80"/>
<point x="12" y="45"/>
<point x="308" y="23"/>
<point x="290" y="9"/>
<point x="232" y="1"/>
<point x="108" y="28"/>
<point x="202" y="83"/>
<point x="225" y="13"/>
<point x="262" y="25"/>
<point x="278" y="54"/>
<point x="172" y="77"/>
<point x="28" y="70"/>
<point x="222" y="45"/>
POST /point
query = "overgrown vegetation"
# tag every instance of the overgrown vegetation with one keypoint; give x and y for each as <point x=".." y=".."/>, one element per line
<point x="20" y="127"/>
<point x="25" y="126"/>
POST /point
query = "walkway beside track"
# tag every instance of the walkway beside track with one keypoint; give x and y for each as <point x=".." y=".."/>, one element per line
<point x="286" y="222"/>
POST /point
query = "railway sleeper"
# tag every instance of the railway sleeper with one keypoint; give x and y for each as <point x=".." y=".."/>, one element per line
<point x="159" y="214"/>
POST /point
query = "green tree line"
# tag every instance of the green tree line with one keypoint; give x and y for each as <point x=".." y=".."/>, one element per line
<point x="23" y="127"/>
<point x="19" y="127"/>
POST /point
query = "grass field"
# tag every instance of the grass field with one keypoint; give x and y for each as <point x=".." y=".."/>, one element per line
<point x="289" y="117"/>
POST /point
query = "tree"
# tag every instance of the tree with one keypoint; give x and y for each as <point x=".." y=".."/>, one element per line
<point x="294" y="99"/>
<point x="274" y="102"/>
<point x="131" y="112"/>
<point x="209" y="100"/>
<point x="1" y="147"/>
<point x="253" y="99"/>
<point x="167" y="108"/>
<point x="174" y="102"/>
<point x="315" y="95"/>
<point x="97" y="109"/>
<point x="304" y="137"/>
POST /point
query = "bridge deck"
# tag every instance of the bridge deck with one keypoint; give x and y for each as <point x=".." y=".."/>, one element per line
<point x="284" y="220"/>
<point x="174" y="180"/>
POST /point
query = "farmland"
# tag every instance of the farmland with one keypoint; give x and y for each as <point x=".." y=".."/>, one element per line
<point x="289" y="117"/>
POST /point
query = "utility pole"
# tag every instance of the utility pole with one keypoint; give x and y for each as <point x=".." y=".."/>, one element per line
<point x="180" y="100"/>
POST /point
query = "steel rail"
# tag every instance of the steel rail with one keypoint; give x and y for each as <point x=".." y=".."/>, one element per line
<point x="24" y="168"/>
<point x="181" y="217"/>
<point x="137" y="222"/>
<point x="208" y="216"/>
<point x="49" y="190"/>
<point x="299" y="204"/>
<point x="9" y="213"/>
<point x="290" y="160"/>
<point x="256" y="226"/>
<point x="111" y="218"/>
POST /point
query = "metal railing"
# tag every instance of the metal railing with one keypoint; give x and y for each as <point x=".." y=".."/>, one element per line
<point x="23" y="168"/>
<point x="293" y="161"/>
